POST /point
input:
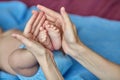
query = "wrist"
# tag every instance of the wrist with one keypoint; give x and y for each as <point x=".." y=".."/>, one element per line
<point x="45" y="59"/>
<point x="77" y="49"/>
<point x="50" y="69"/>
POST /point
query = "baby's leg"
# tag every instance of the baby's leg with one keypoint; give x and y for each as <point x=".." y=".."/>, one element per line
<point x="55" y="36"/>
<point x="23" y="62"/>
<point x="44" y="38"/>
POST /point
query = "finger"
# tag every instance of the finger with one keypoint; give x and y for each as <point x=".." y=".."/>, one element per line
<point x="30" y="23"/>
<point x="51" y="15"/>
<point x="39" y="25"/>
<point x="37" y="21"/>
<point x="65" y="16"/>
<point x="29" y="35"/>
<point x="67" y="27"/>
<point x="31" y="45"/>
<point x="56" y="21"/>
<point x="70" y="27"/>
<point x="50" y="18"/>
<point x="22" y="39"/>
<point x="66" y="20"/>
<point x="34" y="47"/>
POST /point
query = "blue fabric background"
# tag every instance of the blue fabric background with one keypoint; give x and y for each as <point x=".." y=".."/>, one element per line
<point x="100" y="35"/>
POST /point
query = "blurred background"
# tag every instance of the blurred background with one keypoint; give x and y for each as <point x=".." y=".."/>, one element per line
<point x="103" y="8"/>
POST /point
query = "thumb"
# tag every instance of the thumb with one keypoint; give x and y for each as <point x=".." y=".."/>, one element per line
<point x="68" y="26"/>
<point x="31" y="45"/>
<point x="65" y="16"/>
<point x="23" y="39"/>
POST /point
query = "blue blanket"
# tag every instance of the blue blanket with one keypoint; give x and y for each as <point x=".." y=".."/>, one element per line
<point x="100" y="35"/>
<point x="14" y="15"/>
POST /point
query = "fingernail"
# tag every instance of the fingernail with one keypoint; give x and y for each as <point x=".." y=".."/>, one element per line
<point x="63" y="8"/>
<point x="38" y="6"/>
<point x="34" y="12"/>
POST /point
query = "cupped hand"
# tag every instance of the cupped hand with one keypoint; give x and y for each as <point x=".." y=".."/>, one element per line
<point x="33" y="25"/>
<point x="38" y="50"/>
<point x="69" y="37"/>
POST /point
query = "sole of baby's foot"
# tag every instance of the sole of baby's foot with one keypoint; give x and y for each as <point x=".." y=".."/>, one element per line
<point x="44" y="39"/>
<point x="55" y="36"/>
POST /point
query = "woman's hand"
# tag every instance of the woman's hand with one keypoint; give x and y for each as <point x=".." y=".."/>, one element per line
<point x="69" y="37"/>
<point x="43" y="56"/>
<point x="74" y="47"/>
<point x="33" y="25"/>
<point x="34" y="47"/>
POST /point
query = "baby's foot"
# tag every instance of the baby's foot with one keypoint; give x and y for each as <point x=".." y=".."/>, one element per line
<point x="44" y="38"/>
<point x="55" y="36"/>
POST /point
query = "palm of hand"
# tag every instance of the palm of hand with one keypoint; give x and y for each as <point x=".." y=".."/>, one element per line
<point x="69" y="38"/>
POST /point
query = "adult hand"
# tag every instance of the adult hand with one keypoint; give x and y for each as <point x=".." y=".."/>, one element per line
<point x="69" y="43"/>
<point x="72" y="45"/>
<point x="51" y="15"/>
<point x="43" y="56"/>
<point x="33" y="25"/>
<point x="34" y="47"/>
<point x="62" y="20"/>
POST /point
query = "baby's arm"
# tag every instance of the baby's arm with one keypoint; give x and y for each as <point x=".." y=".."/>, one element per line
<point x="23" y="62"/>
